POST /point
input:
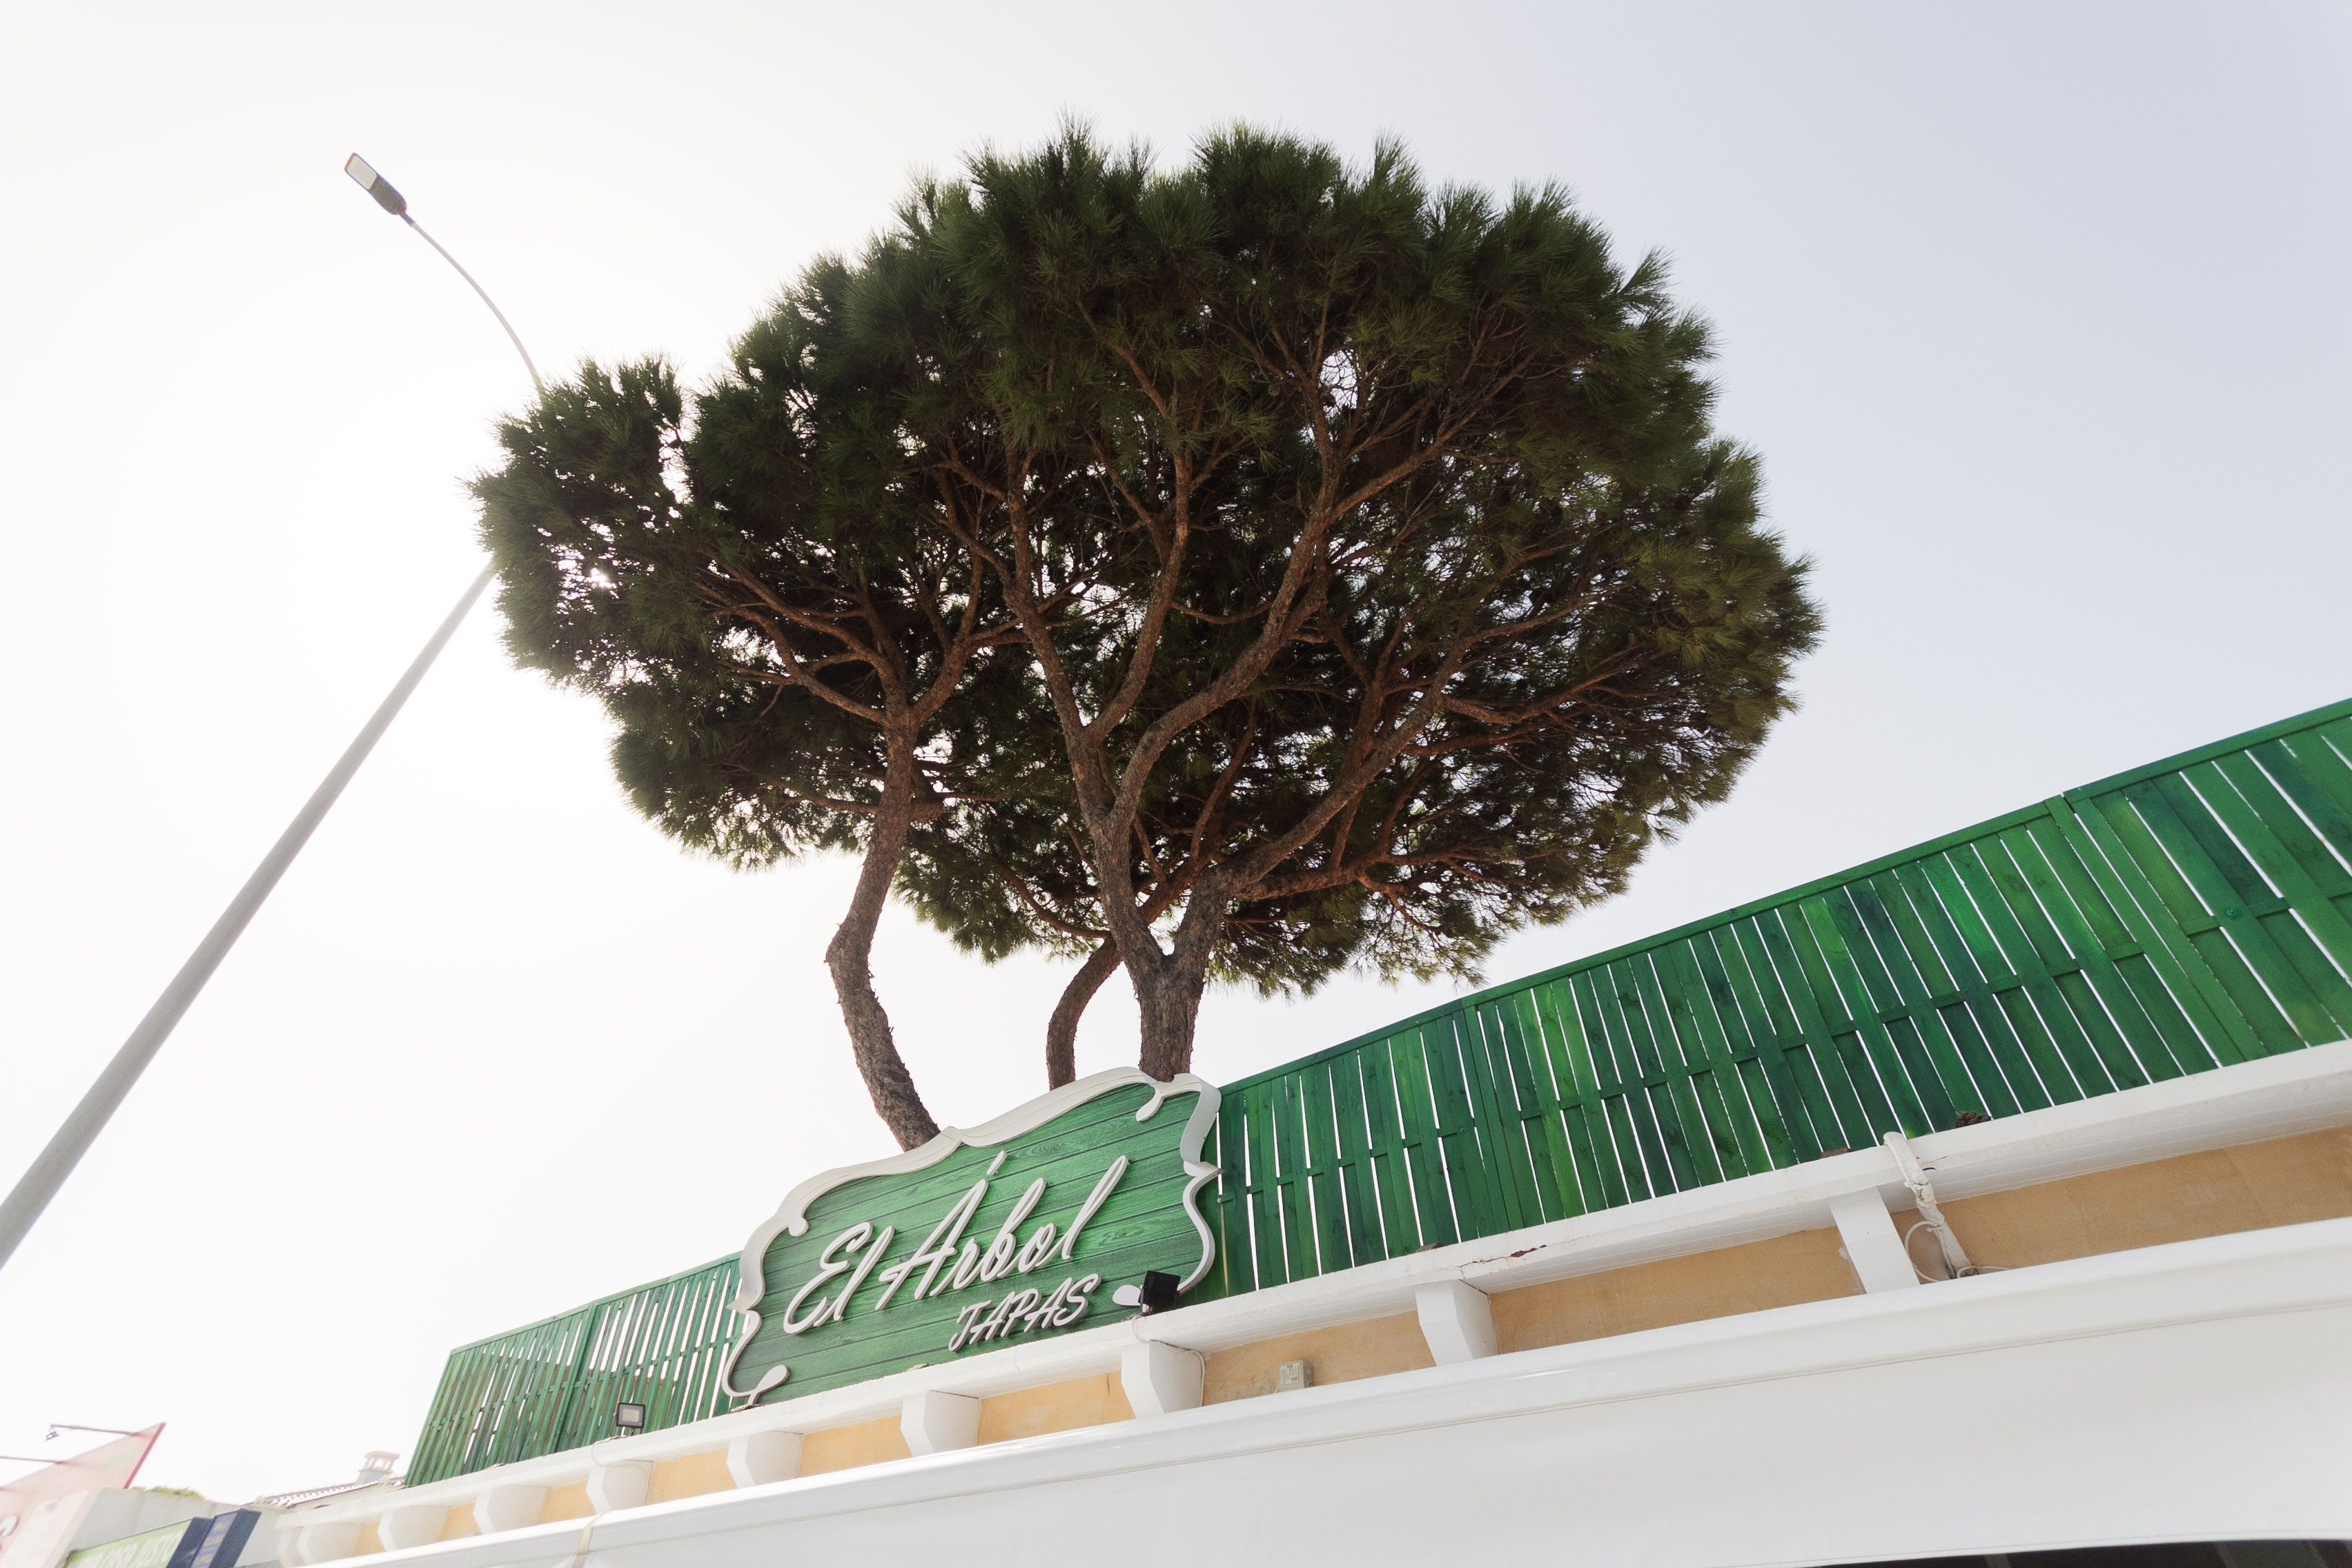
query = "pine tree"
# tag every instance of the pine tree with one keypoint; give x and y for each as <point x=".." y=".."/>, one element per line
<point x="1381" y="528"/>
<point x="787" y="669"/>
<point x="1243" y="571"/>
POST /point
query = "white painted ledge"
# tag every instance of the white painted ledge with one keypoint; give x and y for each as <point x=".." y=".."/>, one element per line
<point x="2274" y="1098"/>
<point x="2195" y="1391"/>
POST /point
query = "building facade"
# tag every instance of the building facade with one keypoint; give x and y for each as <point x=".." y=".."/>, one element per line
<point x="1992" y="1197"/>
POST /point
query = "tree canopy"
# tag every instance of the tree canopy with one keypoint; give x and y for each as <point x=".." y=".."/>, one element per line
<point x="1381" y="527"/>
<point x="1247" y="568"/>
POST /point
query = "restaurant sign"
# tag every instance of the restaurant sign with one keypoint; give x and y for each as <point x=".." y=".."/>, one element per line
<point x="1043" y="1220"/>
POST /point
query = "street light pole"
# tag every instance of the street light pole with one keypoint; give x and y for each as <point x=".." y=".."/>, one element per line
<point x="72" y="1140"/>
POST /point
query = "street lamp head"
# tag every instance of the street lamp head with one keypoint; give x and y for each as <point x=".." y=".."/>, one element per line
<point x="364" y="175"/>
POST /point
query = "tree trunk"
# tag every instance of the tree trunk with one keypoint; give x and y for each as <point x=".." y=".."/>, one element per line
<point x="1168" y="991"/>
<point x="850" y="954"/>
<point x="1170" y="1005"/>
<point x="1062" y="1028"/>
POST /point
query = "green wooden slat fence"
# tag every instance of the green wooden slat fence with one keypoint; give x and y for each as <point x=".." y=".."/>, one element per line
<point x="552" y="1386"/>
<point x="2180" y="917"/>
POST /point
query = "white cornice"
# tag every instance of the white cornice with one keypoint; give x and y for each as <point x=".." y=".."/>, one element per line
<point x="1795" y="1395"/>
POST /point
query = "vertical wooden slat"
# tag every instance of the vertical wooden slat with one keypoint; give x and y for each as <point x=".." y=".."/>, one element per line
<point x="1399" y="1223"/>
<point x="1433" y="1197"/>
<point x="1583" y="1117"/>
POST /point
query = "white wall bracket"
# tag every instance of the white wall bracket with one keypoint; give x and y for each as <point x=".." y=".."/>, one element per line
<point x="412" y="1524"/>
<point x="1162" y="1379"/>
<point x="1457" y="1321"/>
<point x="508" y="1507"/>
<point x="756" y="1459"/>
<point x="326" y="1543"/>
<point x="624" y="1483"/>
<point x="933" y="1423"/>
<point x="1871" y="1243"/>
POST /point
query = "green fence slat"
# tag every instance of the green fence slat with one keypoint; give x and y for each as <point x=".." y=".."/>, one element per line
<point x="2159" y="1022"/>
<point x="2077" y="1057"/>
<point x="1846" y="1044"/>
<point x="2225" y="1033"/>
<point x="2003" y="1082"/>
<point x="1773" y="1021"/>
<point x="1584" y="1117"/>
<point x="2121" y="816"/>
<point x="1530" y="1106"/>
<point x="1787" y="1129"/>
<point x="1633" y="1105"/>
<point x="1265" y="1219"/>
<point x="2068" y="967"/>
<point x="1470" y="1177"/>
<point x="1433" y="1198"/>
<point x="1708" y="1133"/>
<point x="2232" y="891"/>
<point x="1323" y="1169"/>
<point x="1392" y="1177"/>
<point x="1236" y="1265"/>
<point x="2319" y="783"/>
<point x="1504" y="1164"/>
<point x="1690" y="1008"/>
<point x="1918" y="1041"/>
<point x="1359" y="1197"/>
<point x="1638" y="1151"/>
<point x="2283" y="848"/>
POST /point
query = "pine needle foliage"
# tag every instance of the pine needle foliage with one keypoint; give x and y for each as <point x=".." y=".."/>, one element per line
<point x="1376" y="556"/>
<point x="1246" y="568"/>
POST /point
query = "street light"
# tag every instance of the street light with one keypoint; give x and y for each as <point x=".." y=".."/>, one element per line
<point x="82" y="1125"/>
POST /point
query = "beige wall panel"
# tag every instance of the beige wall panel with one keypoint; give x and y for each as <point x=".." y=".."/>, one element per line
<point x="846" y="1448"/>
<point x="566" y="1502"/>
<point x="369" y="1542"/>
<point x="2285" y="1181"/>
<point x="460" y="1522"/>
<point x="1055" y="1407"/>
<point x="1343" y="1354"/>
<point x="1782" y="1272"/>
<point x="691" y="1477"/>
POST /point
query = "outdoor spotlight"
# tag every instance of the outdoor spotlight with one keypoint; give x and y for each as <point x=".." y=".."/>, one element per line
<point x="364" y="174"/>
<point x="1156" y="1294"/>
<point x="629" y="1417"/>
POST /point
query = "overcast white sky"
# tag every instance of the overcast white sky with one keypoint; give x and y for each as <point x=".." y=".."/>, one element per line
<point x="2037" y="314"/>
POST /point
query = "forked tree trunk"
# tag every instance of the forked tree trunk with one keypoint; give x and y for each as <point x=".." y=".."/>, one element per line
<point x="1172" y="1011"/>
<point x="850" y="955"/>
<point x="1062" y="1028"/>
<point x="1168" y="992"/>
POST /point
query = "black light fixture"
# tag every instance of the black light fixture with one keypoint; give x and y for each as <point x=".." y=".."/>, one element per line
<point x="629" y="1416"/>
<point x="1157" y="1293"/>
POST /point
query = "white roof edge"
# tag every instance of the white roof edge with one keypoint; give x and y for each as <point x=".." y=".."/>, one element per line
<point x="2277" y="1097"/>
<point x="2259" y="1275"/>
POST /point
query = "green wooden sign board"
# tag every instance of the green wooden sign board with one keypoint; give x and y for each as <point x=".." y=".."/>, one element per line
<point x="1041" y="1221"/>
